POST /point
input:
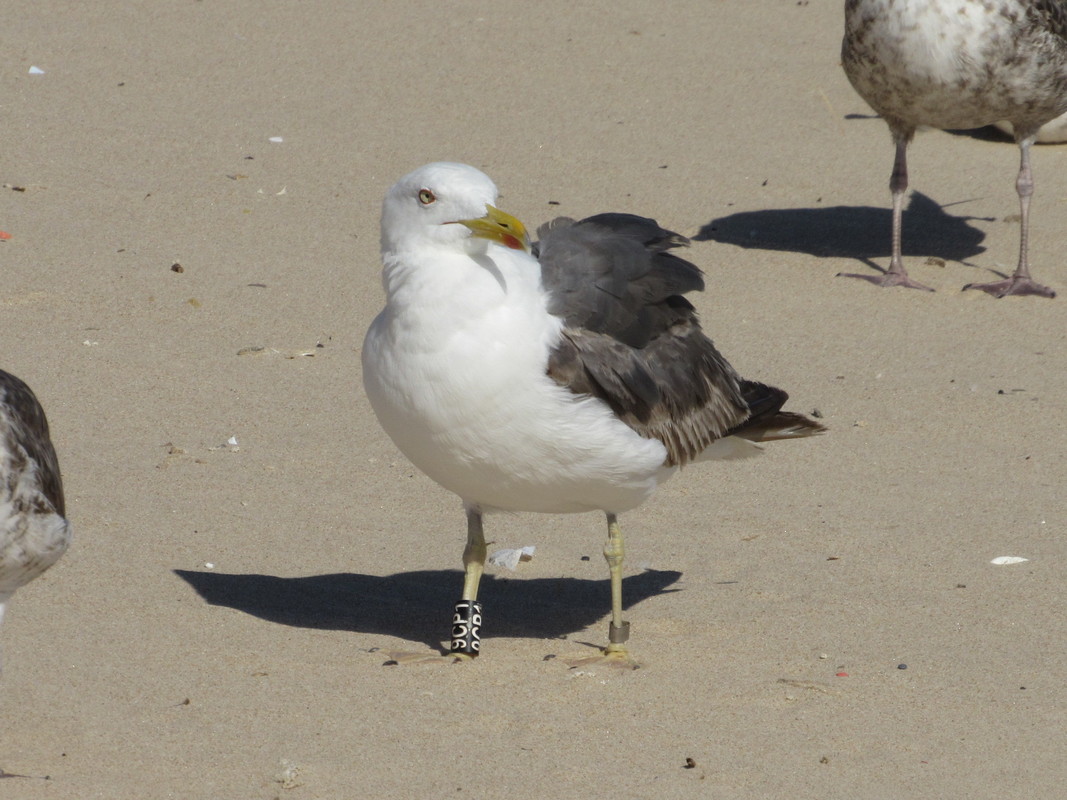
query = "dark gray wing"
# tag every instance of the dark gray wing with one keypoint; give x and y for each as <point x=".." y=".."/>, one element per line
<point x="632" y="340"/>
<point x="25" y="435"/>
<point x="612" y="274"/>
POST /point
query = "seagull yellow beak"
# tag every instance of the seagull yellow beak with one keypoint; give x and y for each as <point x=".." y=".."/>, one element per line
<point x="496" y="226"/>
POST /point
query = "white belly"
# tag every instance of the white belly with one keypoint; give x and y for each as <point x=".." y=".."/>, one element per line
<point x="466" y="398"/>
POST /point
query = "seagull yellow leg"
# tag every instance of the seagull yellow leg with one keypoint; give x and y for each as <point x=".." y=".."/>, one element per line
<point x="615" y="654"/>
<point x="473" y="555"/>
<point x="618" y="629"/>
<point x="467" y="617"/>
<point x="465" y="641"/>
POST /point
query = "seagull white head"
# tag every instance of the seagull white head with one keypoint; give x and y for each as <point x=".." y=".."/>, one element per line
<point x="445" y="205"/>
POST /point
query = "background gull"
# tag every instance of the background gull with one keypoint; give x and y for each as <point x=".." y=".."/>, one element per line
<point x="33" y="531"/>
<point x="568" y="377"/>
<point x="959" y="64"/>
<point x="1054" y="132"/>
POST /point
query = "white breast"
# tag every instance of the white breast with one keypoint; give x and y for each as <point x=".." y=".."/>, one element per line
<point x="455" y="368"/>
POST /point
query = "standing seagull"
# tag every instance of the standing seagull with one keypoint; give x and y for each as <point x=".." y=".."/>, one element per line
<point x="33" y="532"/>
<point x="567" y="379"/>
<point x="959" y="64"/>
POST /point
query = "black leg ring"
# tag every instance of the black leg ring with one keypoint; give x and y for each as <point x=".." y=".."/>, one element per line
<point x="467" y="627"/>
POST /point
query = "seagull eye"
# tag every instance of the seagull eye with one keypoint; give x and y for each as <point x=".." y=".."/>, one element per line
<point x="426" y="197"/>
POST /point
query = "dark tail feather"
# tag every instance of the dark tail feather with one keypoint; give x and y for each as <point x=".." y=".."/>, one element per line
<point x="783" y="425"/>
<point x="768" y="422"/>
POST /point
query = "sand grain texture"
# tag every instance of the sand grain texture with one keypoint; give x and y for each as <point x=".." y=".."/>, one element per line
<point x="145" y="144"/>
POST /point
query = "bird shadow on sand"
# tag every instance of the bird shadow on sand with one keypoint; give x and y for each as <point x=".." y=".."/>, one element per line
<point x="859" y="232"/>
<point x="417" y="606"/>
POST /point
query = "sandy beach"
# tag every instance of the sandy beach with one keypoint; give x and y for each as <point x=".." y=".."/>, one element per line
<point x="192" y="192"/>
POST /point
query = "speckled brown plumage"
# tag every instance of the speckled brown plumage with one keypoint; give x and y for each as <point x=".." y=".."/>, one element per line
<point x="959" y="64"/>
<point x="33" y="531"/>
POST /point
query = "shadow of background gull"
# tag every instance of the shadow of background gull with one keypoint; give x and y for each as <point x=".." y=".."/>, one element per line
<point x="417" y="606"/>
<point x="860" y="232"/>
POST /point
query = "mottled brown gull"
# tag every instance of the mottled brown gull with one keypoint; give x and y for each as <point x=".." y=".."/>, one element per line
<point x="570" y="376"/>
<point x="959" y="64"/>
<point x="33" y="531"/>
